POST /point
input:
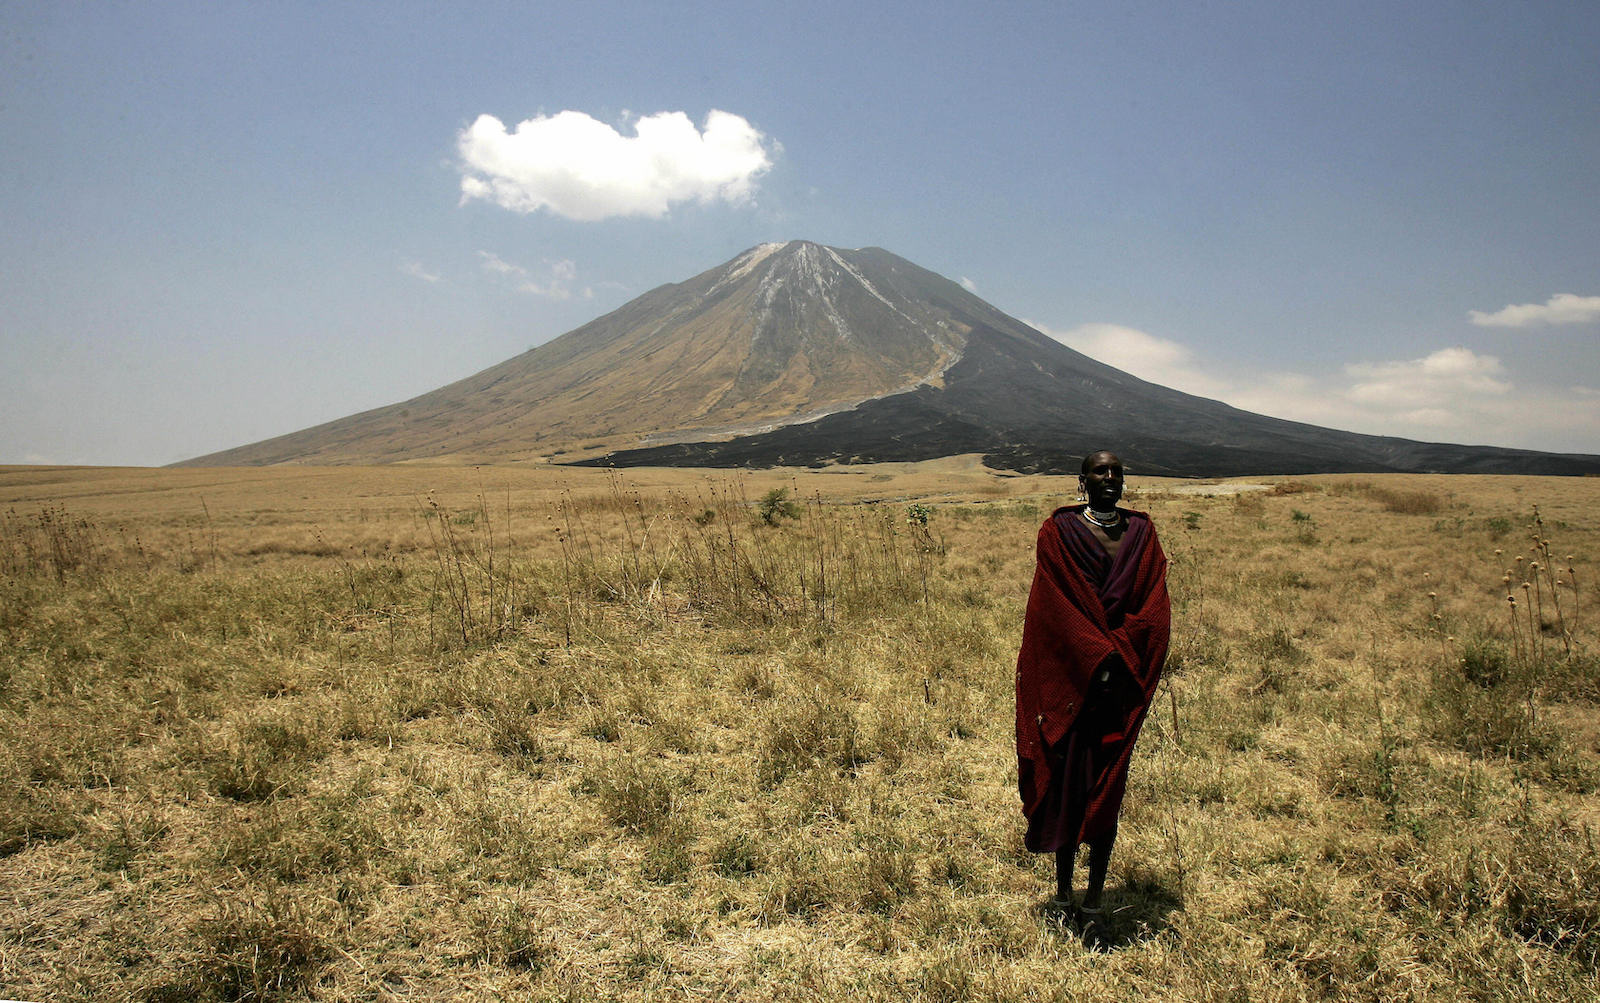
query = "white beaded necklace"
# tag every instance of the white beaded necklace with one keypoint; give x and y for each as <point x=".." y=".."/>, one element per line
<point x="1105" y="520"/>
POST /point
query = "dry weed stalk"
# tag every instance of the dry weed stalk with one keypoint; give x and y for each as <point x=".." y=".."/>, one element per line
<point x="50" y="542"/>
<point x="474" y="580"/>
<point x="1522" y="659"/>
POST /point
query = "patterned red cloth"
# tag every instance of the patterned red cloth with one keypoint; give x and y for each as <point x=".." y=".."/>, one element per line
<point x="1076" y="625"/>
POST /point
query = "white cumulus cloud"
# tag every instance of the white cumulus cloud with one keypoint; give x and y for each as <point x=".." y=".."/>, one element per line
<point x="578" y="167"/>
<point x="1562" y="308"/>
<point x="554" y="281"/>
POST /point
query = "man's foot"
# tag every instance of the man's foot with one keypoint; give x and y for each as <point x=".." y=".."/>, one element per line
<point x="1062" y="912"/>
<point x="1092" y="927"/>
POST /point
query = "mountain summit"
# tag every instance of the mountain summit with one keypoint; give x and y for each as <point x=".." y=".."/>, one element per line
<point x="798" y="353"/>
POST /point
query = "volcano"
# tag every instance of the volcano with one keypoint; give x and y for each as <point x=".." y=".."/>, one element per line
<point x="801" y="354"/>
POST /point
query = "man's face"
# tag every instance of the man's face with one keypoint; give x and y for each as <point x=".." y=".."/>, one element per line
<point x="1103" y="482"/>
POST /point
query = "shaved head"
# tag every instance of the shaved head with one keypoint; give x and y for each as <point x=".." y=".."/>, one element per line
<point x="1089" y="459"/>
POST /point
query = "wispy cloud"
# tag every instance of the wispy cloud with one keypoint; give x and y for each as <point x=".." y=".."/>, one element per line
<point x="1562" y="308"/>
<point x="969" y="285"/>
<point x="1452" y="394"/>
<point x="416" y="271"/>
<point x="578" y="167"/>
<point x="554" y="281"/>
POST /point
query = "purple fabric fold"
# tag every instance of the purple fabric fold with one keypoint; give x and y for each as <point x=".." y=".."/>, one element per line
<point x="1114" y="580"/>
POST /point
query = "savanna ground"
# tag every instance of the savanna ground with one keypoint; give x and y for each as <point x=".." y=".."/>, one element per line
<point x="424" y="733"/>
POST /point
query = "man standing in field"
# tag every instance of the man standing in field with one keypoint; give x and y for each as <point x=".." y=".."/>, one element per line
<point x="1093" y="645"/>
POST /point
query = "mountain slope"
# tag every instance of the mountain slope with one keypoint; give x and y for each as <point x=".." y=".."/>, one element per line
<point x="802" y="354"/>
<point x="1032" y="408"/>
<point x="782" y="331"/>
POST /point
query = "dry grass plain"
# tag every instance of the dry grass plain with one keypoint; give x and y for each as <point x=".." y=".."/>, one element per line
<point x="437" y="734"/>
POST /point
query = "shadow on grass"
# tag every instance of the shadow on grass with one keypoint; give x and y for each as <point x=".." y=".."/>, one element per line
<point x="1137" y="911"/>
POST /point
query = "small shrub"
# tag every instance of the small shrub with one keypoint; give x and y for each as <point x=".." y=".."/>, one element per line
<point x="776" y="505"/>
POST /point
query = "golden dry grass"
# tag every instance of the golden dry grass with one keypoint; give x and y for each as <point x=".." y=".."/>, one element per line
<point x="429" y="733"/>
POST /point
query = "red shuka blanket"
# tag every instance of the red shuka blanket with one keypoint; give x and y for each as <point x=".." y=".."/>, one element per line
<point x="1067" y="636"/>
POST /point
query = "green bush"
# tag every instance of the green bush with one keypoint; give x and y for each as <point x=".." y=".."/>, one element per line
<point x="776" y="505"/>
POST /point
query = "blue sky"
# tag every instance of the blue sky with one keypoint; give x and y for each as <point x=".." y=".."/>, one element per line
<point x="226" y="222"/>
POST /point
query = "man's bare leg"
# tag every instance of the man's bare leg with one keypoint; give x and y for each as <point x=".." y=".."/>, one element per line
<point x="1099" y="862"/>
<point x="1065" y="859"/>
